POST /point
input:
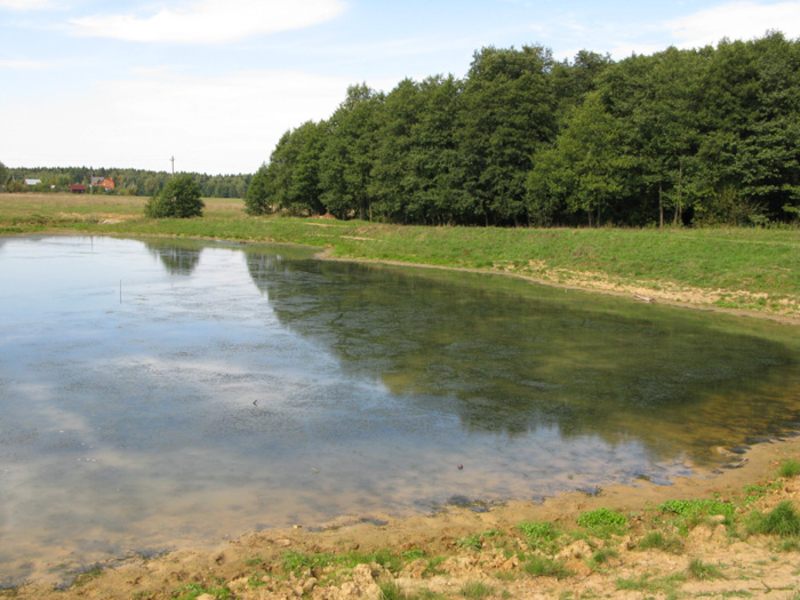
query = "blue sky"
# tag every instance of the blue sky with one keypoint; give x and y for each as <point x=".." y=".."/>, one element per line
<point x="215" y="83"/>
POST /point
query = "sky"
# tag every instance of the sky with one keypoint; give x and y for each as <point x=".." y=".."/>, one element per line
<point x="215" y="83"/>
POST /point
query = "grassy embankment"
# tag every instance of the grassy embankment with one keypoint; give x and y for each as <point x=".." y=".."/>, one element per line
<point x="753" y="269"/>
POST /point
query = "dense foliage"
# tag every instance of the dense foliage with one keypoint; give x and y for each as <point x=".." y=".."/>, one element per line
<point x="128" y="181"/>
<point x="705" y="136"/>
<point x="180" y="199"/>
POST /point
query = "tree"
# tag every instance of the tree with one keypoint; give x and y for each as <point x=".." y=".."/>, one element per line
<point x="258" y="201"/>
<point x="180" y="199"/>
<point x="3" y="174"/>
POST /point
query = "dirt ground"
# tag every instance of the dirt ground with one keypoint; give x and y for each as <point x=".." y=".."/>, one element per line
<point x="473" y="553"/>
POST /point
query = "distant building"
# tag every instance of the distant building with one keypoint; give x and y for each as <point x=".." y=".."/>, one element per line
<point x="77" y="189"/>
<point x="33" y="181"/>
<point x="103" y="182"/>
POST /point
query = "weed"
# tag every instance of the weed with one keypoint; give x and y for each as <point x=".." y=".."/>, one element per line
<point x="254" y="562"/>
<point x="472" y="542"/>
<point x="603" y="521"/>
<point x="476" y="589"/>
<point x="600" y="557"/>
<point x="193" y="590"/>
<point x="704" y="571"/>
<point x="543" y="566"/>
<point x="657" y="540"/>
<point x="789" y="468"/>
<point x="698" y="507"/>
<point x="413" y="554"/>
<point x="782" y="520"/>
<point x="540" y="535"/>
<point x="298" y="562"/>
<point x="391" y="590"/>
<point x="651" y="585"/>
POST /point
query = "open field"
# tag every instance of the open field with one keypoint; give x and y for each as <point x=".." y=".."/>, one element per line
<point x="750" y="269"/>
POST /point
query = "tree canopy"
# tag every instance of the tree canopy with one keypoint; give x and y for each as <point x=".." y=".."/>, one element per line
<point x="709" y="135"/>
<point x="179" y="199"/>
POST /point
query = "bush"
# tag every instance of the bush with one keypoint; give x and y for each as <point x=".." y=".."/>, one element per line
<point x="782" y="520"/>
<point x="789" y="468"/>
<point x="179" y="199"/>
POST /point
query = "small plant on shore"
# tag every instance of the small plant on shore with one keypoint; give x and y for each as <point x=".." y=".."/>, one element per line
<point x="693" y="512"/>
<point x="783" y="520"/>
<point x="543" y="566"/>
<point x="652" y="585"/>
<point x="603" y="522"/>
<point x="657" y="540"/>
<point x="193" y="590"/>
<point x="476" y="590"/>
<point x="601" y="557"/>
<point x="540" y="535"/>
<point x="704" y="571"/>
<point x="789" y="468"/>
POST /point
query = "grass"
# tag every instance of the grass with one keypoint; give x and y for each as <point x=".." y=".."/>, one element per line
<point x="753" y="268"/>
<point x="544" y="566"/>
<point x="657" y="540"/>
<point x="603" y="522"/>
<point x="476" y="590"/>
<point x="193" y="590"/>
<point x="789" y="468"/>
<point x="783" y="521"/>
<point x="704" y="571"/>
<point x="540" y="535"/>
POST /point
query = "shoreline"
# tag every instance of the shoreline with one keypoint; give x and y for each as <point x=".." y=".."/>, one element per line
<point x="231" y="565"/>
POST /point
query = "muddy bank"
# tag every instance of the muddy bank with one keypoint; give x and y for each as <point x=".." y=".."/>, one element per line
<point x="459" y="550"/>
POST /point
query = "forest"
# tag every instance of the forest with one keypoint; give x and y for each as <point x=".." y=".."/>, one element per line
<point x="134" y="182"/>
<point x="681" y="137"/>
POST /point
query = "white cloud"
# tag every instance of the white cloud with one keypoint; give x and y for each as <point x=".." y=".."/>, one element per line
<point x="740" y="20"/>
<point x="211" y="21"/>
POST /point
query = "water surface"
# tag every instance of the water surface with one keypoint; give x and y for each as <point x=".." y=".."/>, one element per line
<point x="162" y="394"/>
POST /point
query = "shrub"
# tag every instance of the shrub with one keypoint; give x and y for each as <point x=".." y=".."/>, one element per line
<point x="180" y="198"/>
<point x="542" y="566"/>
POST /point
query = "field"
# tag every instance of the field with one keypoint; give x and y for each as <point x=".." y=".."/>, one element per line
<point x="745" y="268"/>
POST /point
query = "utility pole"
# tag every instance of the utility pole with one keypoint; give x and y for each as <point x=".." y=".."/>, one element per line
<point x="173" y="166"/>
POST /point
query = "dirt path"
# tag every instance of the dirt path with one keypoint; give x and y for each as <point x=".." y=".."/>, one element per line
<point x="462" y="553"/>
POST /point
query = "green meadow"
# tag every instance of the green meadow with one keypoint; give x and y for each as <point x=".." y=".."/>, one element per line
<point x="740" y="268"/>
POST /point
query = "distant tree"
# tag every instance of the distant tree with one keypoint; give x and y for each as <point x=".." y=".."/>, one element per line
<point x="258" y="199"/>
<point x="180" y="199"/>
<point x="3" y="174"/>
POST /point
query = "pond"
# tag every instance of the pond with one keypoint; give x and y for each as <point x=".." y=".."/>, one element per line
<point x="163" y="394"/>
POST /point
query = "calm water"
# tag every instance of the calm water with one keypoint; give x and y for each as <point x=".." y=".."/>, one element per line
<point x="157" y="395"/>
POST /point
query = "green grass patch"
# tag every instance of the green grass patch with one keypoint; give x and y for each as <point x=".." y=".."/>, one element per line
<point x="698" y="569"/>
<point x="545" y="566"/>
<point x="540" y="535"/>
<point x="783" y="521"/>
<point x="193" y="590"/>
<point x="659" y="541"/>
<point x="603" y="522"/>
<point x="755" y="268"/>
<point x="789" y="468"/>
<point x="476" y="590"/>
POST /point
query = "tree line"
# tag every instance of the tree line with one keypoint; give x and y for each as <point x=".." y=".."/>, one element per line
<point x="135" y="182"/>
<point x="702" y="136"/>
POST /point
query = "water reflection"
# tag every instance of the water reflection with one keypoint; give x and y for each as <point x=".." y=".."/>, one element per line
<point x="195" y="406"/>
<point x="518" y="358"/>
<point x="178" y="257"/>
